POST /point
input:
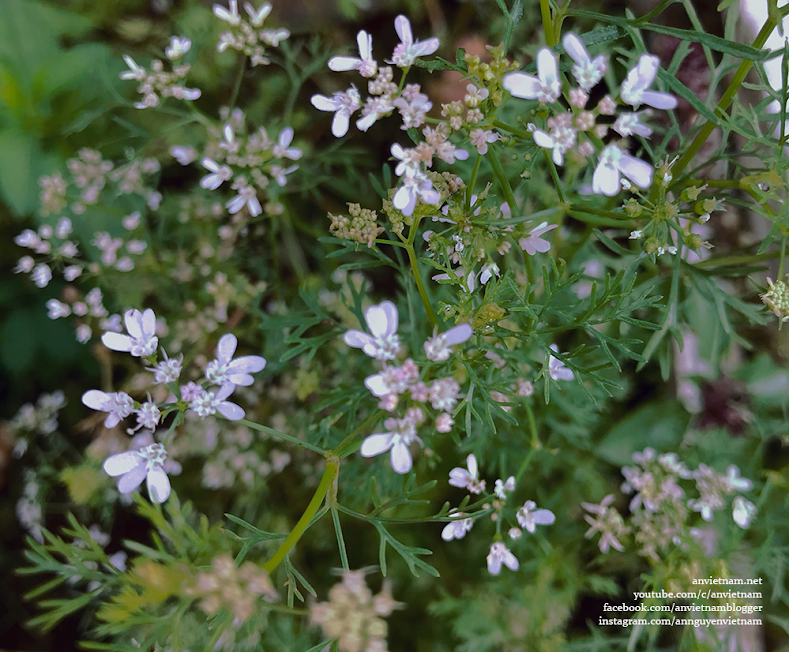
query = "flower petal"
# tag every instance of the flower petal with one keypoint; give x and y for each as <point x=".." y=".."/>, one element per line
<point x="520" y="84"/>
<point x="377" y="385"/>
<point x="638" y="171"/>
<point x="403" y="29"/>
<point x="95" y="399"/>
<point x="575" y="48"/>
<point x="341" y="64"/>
<point x="116" y="341"/>
<point x="158" y="485"/>
<point x="458" y="334"/>
<point x="659" y="100"/>
<point x="376" y="444"/>
<point x="323" y="103"/>
<point x="401" y="458"/>
<point x="544" y="517"/>
<point x="121" y="463"/>
<point x="471" y="460"/>
<point x="226" y="348"/>
<point x="605" y="180"/>
<point x="230" y="411"/>
<point x="148" y="322"/>
<point x="133" y="479"/>
<point x="340" y="123"/>
<point x="356" y="339"/>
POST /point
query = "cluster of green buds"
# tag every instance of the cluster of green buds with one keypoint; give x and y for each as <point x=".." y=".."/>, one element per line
<point x="777" y="298"/>
<point x="362" y="225"/>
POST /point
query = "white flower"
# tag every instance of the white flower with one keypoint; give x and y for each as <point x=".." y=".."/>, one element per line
<point x="499" y="554"/>
<point x="467" y="479"/>
<point x="480" y="139"/>
<point x="561" y="138"/>
<point x="402" y="432"/>
<point x="533" y="243"/>
<point x="529" y="518"/>
<point x="257" y="16"/>
<point x="41" y="275"/>
<point x="57" y="309"/>
<point x="117" y="405"/>
<point x="343" y="105"/>
<point x="283" y="149"/>
<point x="456" y="529"/>
<point x="444" y="422"/>
<point x="207" y="403"/>
<point x="546" y="87"/>
<point x="247" y="196"/>
<point x="628" y="124"/>
<point x="502" y="488"/>
<point x="219" y="174"/>
<point x="614" y="161"/>
<point x="556" y="368"/>
<point x="135" y="72"/>
<point x="148" y="416"/>
<point x="280" y="174"/>
<point x="225" y="370"/>
<point x="229" y="15"/>
<point x="409" y="50"/>
<point x="586" y="71"/>
<point x="168" y="370"/>
<point x="71" y="272"/>
<point x="136" y="466"/>
<point x="438" y="348"/>
<point x="374" y="109"/>
<point x="636" y="235"/>
<point x="366" y="65"/>
<point x="639" y="79"/>
<point x="444" y="393"/>
<point x="24" y="265"/>
<point x="743" y="511"/>
<point x="184" y="155"/>
<point x="383" y="343"/>
<point x="488" y="272"/>
<point x="141" y="341"/>
<point x="178" y="47"/>
<point x="734" y="482"/>
<point x="416" y="186"/>
<point x="393" y="380"/>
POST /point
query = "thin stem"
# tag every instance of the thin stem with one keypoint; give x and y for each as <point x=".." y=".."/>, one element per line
<point x="283" y="435"/>
<point x="554" y="175"/>
<point x="339" y="450"/>
<point x="394" y="243"/>
<point x="521" y="133"/>
<point x="237" y="84"/>
<point x="332" y="469"/>
<point x="417" y="277"/>
<point x="547" y="23"/>
<point x="781" y="260"/>
<point x="470" y="188"/>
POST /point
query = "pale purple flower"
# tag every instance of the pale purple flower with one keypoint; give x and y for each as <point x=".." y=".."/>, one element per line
<point x="141" y="341"/>
<point x="207" y="403"/>
<point x="488" y="272"/>
<point x="458" y="528"/>
<point x="183" y="154"/>
<point x="480" y="138"/>
<point x="168" y="370"/>
<point x="546" y="87"/>
<point x="439" y="347"/>
<point x="560" y="139"/>
<point x="413" y="188"/>
<point x="178" y="47"/>
<point x="614" y="162"/>
<point x="628" y="124"/>
<point x="743" y="511"/>
<point x="408" y="50"/>
<point x="467" y="479"/>
<point x="587" y="71"/>
<point x="280" y="174"/>
<point x="135" y="71"/>
<point x="556" y="368"/>
<point x="135" y="466"/>
<point x="219" y="174"/>
<point x="41" y="275"/>
<point x="735" y="482"/>
<point x="247" y="197"/>
<point x="224" y="369"/>
<point x="393" y="380"/>
<point x="375" y="108"/>
<point x="534" y="242"/>
<point x="529" y="517"/>
<point x="499" y="554"/>
<point x="148" y="416"/>
<point x="282" y="148"/>
<point x="57" y="309"/>
<point x="639" y="79"/>
<point x="383" y="343"/>
<point x="365" y="64"/>
<point x="229" y="15"/>
<point x="502" y="488"/>
<point x="343" y="105"/>
<point x="257" y="16"/>
<point x="117" y="405"/>
<point x="444" y="422"/>
<point x="401" y="433"/>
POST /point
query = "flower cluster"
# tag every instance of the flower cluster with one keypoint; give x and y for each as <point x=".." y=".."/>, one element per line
<point x="354" y="616"/>
<point x="394" y="381"/>
<point x="158" y="83"/>
<point x="226" y="586"/>
<point x="777" y="299"/>
<point x="38" y="419"/>
<point x="246" y="34"/>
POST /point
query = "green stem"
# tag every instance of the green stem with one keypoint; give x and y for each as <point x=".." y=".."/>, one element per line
<point x="332" y="469"/>
<point x="521" y="133"/>
<point x="656" y="11"/>
<point x="547" y="23"/>
<point x="554" y="175"/>
<point x="237" y="84"/>
<point x="470" y="188"/>
<point x="283" y="435"/>
<point x="420" y="286"/>
<point x="725" y="101"/>
<point x="781" y="260"/>
<point x="339" y="450"/>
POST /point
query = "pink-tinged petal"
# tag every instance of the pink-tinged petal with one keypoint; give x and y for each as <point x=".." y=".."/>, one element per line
<point x="340" y="123"/>
<point x="471" y="460"/>
<point x="148" y="323"/>
<point x="357" y="339"/>
<point x="423" y="48"/>
<point x="230" y="411"/>
<point x="121" y="463"/>
<point x="286" y="137"/>
<point x="647" y="69"/>
<point x="461" y="154"/>
<point x="116" y="341"/>
<point x="543" y="139"/>
<point x="377" y="320"/>
<point x="133" y="321"/>
<point x="342" y="64"/>
<point x="511" y="562"/>
<point x="575" y="48"/>
<point x="320" y="102"/>
<point x="494" y="565"/>
<point x="605" y="180"/>
<point x="397" y="151"/>
<point x="401" y="458"/>
<point x="95" y="399"/>
<point x="133" y="479"/>
<point x="158" y="485"/>
<point x="526" y="245"/>
<point x="542" y="228"/>
<point x="245" y="380"/>
<point x="249" y="364"/>
<point x="448" y="533"/>
<point x="458" y="334"/>
<point x="226" y="348"/>
<point x="520" y="84"/>
<point x="376" y="444"/>
<point x="659" y="100"/>
<point x="459" y="477"/>
<point x="547" y="66"/>
<point x="224" y="391"/>
<point x="563" y="373"/>
<point x="365" y="43"/>
<point x="431" y="197"/>
<point x="638" y="171"/>
<point x="544" y="517"/>
<point x="377" y="385"/>
<point x="112" y="420"/>
<point x="391" y="316"/>
<point x="403" y="29"/>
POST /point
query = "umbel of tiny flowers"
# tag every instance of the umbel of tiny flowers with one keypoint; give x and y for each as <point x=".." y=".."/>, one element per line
<point x="366" y="65"/>
<point x="639" y="79"/>
<point x="135" y="466"/>
<point x="546" y="87"/>
<point x="224" y="369"/>
<point x="141" y="341"/>
<point x="467" y="479"/>
<point x="439" y="347"/>
<point x="529" y="517"/>
<point x="499" y="554"/>
<point x="383" y="343"/>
